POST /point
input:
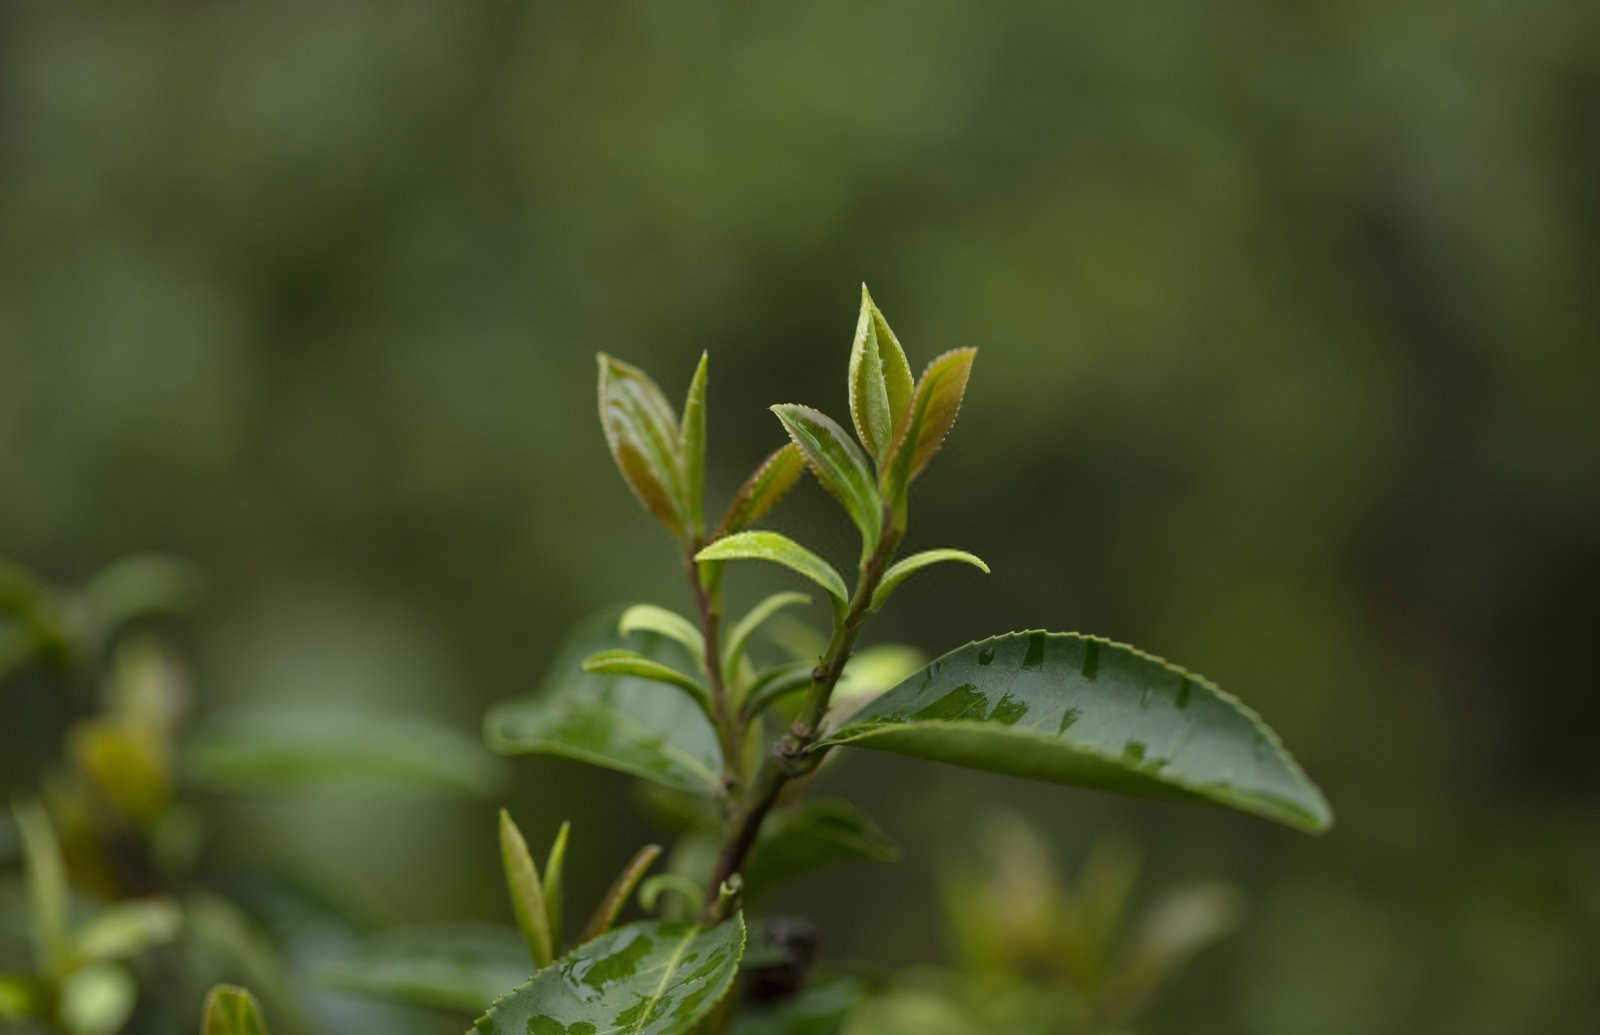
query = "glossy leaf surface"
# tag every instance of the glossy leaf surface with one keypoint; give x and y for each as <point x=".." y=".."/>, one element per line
<point x="642" y="433"/>
<point x="811" y="835"/>
<point x="1082" y="710"/>
<point x="838" y="464"/>
<point x="231" y="1010"/>
<point x="613" y="720"/>
<point x="763" y="489"/>
<point x="310" y="747"/>
<point x="778" y="549"/>
<point x="447" y="968"/>
<point x="648" y="978"/>
<point x="623" y="662"/>
<point x="904" y="569"/>
<point x="650" y="618"/>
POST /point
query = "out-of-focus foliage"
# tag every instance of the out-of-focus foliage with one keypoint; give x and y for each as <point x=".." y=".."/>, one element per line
<point x="1288" y="359"/>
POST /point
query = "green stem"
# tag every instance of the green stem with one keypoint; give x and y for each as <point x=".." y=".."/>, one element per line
<point x="790" y="757"/>
<point x="707" y="605"/>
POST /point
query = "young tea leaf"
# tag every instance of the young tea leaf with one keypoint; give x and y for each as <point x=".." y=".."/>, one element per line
<point x="1081" y="710"/>
<point x="927" y="421"/>
<point x="904" y="569"/>
<point x="746" y="627"/>
<point x="880" y="380"/>
<point x="764" y="488"/>
<point x="127" y="928"/>
<point x="630" y="663"/>
<point x="692" y="447"/>
<point x="231" y="1010"/>
<point x="444" y="968"/>
<point x="838" y="465"/>
<point x="616" y="896"/>
<point x="643" y="434"/>
<point x="777" y="683"/>
<point x="554" y="865"/>
<point x="527" y="896"/>
<point x="647" y="978"/>
<point x="779" y="549"/>
<point x="650" y="618"/>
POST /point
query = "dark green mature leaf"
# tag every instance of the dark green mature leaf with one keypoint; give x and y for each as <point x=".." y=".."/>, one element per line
<point x="643" y="434"/>
<point x="648" y="978"/>
<point x="692" y="447"/>
<point x="839" y="466"/>
<point x="779" y="549"/>
<point x="447" y="968"/>
<point x="811" y="835"/>
<point x="1082" y="710"/>
<point x="320" y="747"/>
<point x="902" y="570"/>
<point x="813" y="1011"/>
<point x="880" y="380"/>
<point x="621" y="722"/>
<point x="764" y="488"/>
<point x="231" y="1010"/>
<point x="616" y="896"/>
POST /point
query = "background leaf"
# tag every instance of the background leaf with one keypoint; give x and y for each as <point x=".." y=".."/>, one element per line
<point x="812" y="1011"/>
<point x="320" y="747"/>
<point x="126" y="928"/>
<point x="1082" y="710"/>
<point x="46" y="878"/>
<point x="648" y="978"/>
<point x="810" y="835"/>
<point x="620" y="722"/>
<point x="448" y="968"/>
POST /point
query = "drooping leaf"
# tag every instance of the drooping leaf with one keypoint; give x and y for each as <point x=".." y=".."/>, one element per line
<point x="126" y="928"/>
<point x="621" y="722"/>
<point x="904" y="569"/>
<point x="642" y="433"/>
<point x="650" y="618"/>
<point x="818" y="1010"/>
<point x="1081" y="710"/>
<point x="779" y="549"/>
<point x="927" y="421"/>
<point x="555" y="865"/>
<point x="47" y="884"/>
<point x="231" y="1010"/>
<point x="647" y="978"/>
<point x="839" y="466"/>
<point x="446" y="968"/>
<point x="880" y="380"/>
<point x="740" y="635"/>
<point x="765" y="487"/>
<point x="623" y="662"/>
<point x="808" y="836"/>
<point x="605" y="914"/>
<point x="334" y="747"/>
<point x="527" y="895"/>
<point x="777" y="683"/>
<point x="692" y="447"/>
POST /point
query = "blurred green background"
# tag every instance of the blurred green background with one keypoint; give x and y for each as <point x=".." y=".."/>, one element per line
<point x="1287" y="318"/>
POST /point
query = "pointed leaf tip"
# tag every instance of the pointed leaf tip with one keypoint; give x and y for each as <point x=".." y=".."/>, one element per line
<point x="527" y="896"/>
<point x="778" y="549"/>
<point x="692" y="446"/>
<point x="928" y="421"/>
<point x="904" y="569"/>
<point x="767" y="484"/>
